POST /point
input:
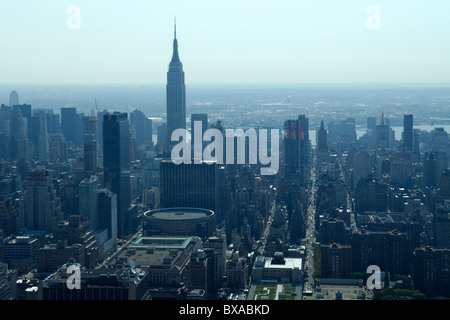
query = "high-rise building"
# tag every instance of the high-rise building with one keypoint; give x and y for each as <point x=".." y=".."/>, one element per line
<point x="13" y="98"/>
<point x="90" y="144"/>
<point x="161" y="133"/>
<point x="188" y="185"/>
<point x="388" y="250"/>
<point x="53" y="122"/>
<point x="431" y="271"/>
<point x="382" y="133"/>
<point x="336" y="261"/>
<point x="408" y="131"/>
<point x="21" y="252"/>
<point x="430" y="170"/>
<point x="42" y="209"/>
<point x="442" y="226"/>
<point x="58" y="149"/>
<point x="218" y="243"/>
<point x="322" y="142"/>
<point x="39" y="135"/>
<point x="296" y="147"/>
<point x="19" y="144"/>
<point x="203" y="119"/>
<point x="371" y="123"/>
<point x="142" y="127"/>
<point x="8" y="215"/>
<point x="88" y="195"/>
<point x="116" y="164"/>
<point x="304" y="148"/>
<point x="107" y="212"/>
<point x="371" y="195"/>
<point x="334" y="231"/>
<point x="175" y="94"/>
<point x="72" y="125"/>
<point x="68" y="122"/>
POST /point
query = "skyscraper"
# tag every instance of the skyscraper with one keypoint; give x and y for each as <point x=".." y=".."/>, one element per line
<point x="72" y="125"/>
<point x="13" y="98"/>
<point x="39" y="135"/>
<point x="90" y="145"/>
<point x="198" y="117"/>
<point x="116" y="163"/>
<point x="142" y="127"/>
<point x="188" y="185"/>
<point x="408" y="131"/>
<point x="382" y="133"/>
<point x="42" y="208"/>
<point x="107" y="212"/>
<point x="296" y="147"/>
<point x="175" y="94"/>
<point x="322" y="143"/>
<point x="322" y="137"/>
<point x="88" y="195"/>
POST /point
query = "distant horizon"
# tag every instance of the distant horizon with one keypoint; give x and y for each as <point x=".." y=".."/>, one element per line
<point x="253" y="41"/>
<point x="223" y="83"/>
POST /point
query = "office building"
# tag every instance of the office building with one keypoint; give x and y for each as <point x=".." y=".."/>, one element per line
<point x="88" y="196"/>
<point x="13" y="98"/>
<point x="382" y="133"/>
<point x="21" y="252"/>
<point x="68" y="123"/>
<point x="371" y="195"/>
<point x="90" y="145"/>
<point x="107" y="212"/>
<point x="296" y="147"/>
<point x="141" y="127"/>
<point x="188" y="185"/>
<point x="175" y="94"/>
<point x="39" y="135"/>
<point x="42" y="207"/>
<point x="408" y="132"/>
<point x="116" y="164"/>
<point x="387" y="250"/>
<point x="336" y="261"/>
<point x="431" y="272"/>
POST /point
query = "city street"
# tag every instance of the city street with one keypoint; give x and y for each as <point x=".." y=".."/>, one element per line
<point x="310" y="236"/>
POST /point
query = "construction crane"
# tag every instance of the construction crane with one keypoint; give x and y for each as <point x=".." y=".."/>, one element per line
<point x="96" y="106"/>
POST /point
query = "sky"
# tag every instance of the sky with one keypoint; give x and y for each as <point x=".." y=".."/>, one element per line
<point x="232" y="41"/>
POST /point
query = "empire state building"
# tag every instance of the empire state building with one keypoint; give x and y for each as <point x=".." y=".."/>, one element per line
<point x="175" y="94"/>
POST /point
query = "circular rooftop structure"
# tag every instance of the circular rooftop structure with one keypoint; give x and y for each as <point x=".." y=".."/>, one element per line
<point x="181" y="214"/>
<point x="179" y="221"/>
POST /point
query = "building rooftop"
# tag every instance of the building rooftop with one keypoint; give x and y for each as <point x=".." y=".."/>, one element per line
<point x="178" y="214"/>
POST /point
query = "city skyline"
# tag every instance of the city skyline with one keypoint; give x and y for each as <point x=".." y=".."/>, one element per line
<point x="347" y="197"/>
<point x="263" y="42"/>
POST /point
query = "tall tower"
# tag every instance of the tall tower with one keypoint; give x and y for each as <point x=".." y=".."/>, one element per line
<point x="88" y="195"/>
<point x="13" y="98"/>
<point x="116" y="164"/>
<point x="42" y="207"/>
<point x="90" y="145"/>
<point x="408" y="131"/>
<point x="303" y="131"/>
<point x="175" y="94"/>
<point x="382" y="133"/>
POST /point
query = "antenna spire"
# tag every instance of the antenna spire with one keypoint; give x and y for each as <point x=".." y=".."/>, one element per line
<point x="175" y="27"/>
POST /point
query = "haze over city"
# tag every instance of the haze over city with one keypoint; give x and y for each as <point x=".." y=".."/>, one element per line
<point x="255" y="41"/>
<point x="241" y="152"/>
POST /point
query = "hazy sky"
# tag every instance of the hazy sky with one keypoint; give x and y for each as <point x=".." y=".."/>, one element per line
<point x="271" y="41"/>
